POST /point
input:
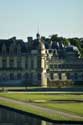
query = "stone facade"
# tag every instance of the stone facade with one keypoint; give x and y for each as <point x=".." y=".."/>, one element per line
<point x="32" y="64"/>
<point x="22" y="64"/>
<point x="65" y="66"/>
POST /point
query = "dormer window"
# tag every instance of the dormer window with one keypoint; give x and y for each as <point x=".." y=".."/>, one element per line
<point x="19" y="49"/>
<point x="11" y="49"/>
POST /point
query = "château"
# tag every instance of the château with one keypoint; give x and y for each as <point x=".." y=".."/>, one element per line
<point x="31" y="63"/>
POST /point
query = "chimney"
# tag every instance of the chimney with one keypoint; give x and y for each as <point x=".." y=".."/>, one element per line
<point x="29" y="39"/>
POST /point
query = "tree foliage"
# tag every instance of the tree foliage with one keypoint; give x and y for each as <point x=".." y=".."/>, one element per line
<point x="78" y="42"/>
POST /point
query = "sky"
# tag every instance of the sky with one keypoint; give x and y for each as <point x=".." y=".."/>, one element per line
<point x="23" y="18"/>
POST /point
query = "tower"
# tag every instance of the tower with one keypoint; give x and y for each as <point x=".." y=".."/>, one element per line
<point x="43" y="65"/>
<point x="43" y="62"/>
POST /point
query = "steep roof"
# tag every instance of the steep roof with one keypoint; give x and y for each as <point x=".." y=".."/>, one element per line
<point x="14" y="42"/>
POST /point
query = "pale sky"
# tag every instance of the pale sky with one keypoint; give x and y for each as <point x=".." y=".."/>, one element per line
<point x="21" y="18"/>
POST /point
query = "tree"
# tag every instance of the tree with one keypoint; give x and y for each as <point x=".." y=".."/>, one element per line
<point x="54" y="37"/>
<point x="65" y="42"/>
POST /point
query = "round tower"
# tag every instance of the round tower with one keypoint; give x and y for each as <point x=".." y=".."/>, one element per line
<point x="43" y="64"/>
<point x="42" y="55"/>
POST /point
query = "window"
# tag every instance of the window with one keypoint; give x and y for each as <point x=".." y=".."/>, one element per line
<point x="4" y="76"/>
<point x="11" y="76"/>
<point x="26" y="62"/>
<point x="39" y="76"/>
<point x="68" y="76"/>
<point x="18" y="62"/>
<point x="4" y="63"/>
<point x="19" y="76"/>
<point x="11" y="62"/>
<point x="26" y="76"/>
<point x="3" y="49"/>
<point x="59" y="66"/>
<point x="51" y="66"/>
<point x="51" y="76"/>
<point x="19" y="49"/>
<point x="55" y="66"/>
<point x="75" y="76"/>
<point x="11" y="49"/>
<point x="32" y="63"/>
<point x="59" y="75"/>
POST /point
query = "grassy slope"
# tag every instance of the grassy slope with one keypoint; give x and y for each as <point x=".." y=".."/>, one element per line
<point x="34" y="111"/>
<point x="76" y="108"/>
<point x="41" y="96"/>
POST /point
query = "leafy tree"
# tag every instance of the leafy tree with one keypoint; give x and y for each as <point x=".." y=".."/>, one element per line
<point x="54" y="37"/>
<point x="75" y="42"/>
<point x="66" y="42"/>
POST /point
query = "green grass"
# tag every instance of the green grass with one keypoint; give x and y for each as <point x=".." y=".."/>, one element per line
<point x="41" y="96"/>
<point x="34" y="111"/>
<point x="72" y="108"/>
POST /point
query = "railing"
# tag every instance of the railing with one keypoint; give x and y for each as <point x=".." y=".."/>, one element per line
<point x="74" y="70"/>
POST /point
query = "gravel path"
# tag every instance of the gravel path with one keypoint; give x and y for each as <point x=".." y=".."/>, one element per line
<point x="47" y="110"/>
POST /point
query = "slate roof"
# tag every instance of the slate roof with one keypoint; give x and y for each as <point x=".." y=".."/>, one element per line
<point x="8" y="42"/>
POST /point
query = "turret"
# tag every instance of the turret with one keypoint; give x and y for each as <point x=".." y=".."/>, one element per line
<point x="43" y="65"/>
<point x="38" y="36"/>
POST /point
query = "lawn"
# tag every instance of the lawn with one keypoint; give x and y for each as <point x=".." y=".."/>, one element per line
<point x="74" y="108"/>
<point x="36" y="111"/>
<point x="49" y="100"/>
<point x="42" y="96"/>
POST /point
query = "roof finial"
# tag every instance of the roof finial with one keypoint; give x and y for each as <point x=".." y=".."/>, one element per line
<point x="38" y="35"/>
<point x="38" y="28"/>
